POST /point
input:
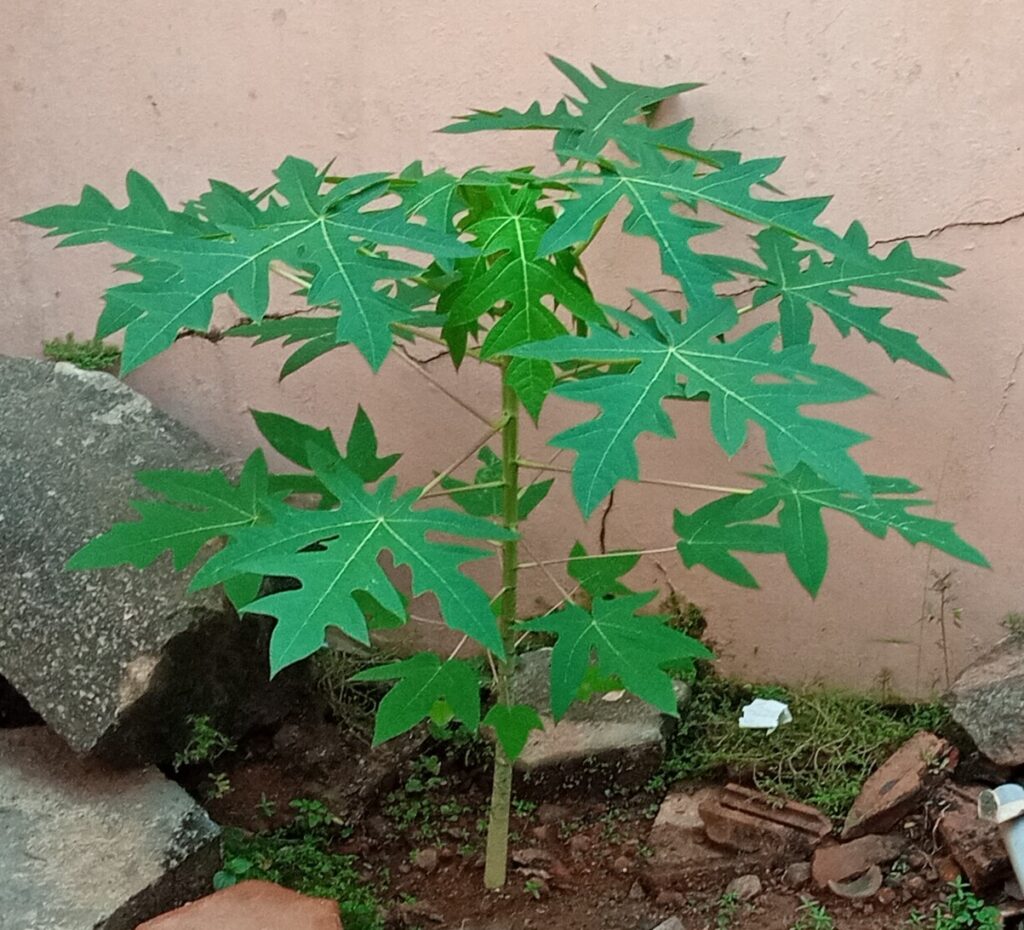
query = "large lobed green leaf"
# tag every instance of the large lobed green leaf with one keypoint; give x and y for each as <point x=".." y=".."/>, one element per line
<point x="509" y="278"/>
<point x="746" y="380"/>
<point x="333" y="553"/>
<point x="224" y="244"/>
<point x="710" y="535"/>
<point x="803" y="280"/>
<point x="634" y="648"/>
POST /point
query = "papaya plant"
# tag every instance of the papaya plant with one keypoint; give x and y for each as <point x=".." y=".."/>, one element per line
<point x="489" y="264"/>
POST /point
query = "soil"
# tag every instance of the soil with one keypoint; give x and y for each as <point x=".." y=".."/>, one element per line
<point x="578" y="863"/>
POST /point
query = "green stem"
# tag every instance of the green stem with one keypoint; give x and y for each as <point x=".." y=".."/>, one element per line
<point x="501" y="792"/>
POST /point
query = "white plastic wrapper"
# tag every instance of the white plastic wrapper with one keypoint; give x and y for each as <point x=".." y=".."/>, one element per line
<point x="761" y="714"/>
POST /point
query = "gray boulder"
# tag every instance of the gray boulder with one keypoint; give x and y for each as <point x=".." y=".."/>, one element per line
<point x="114" y="661"/>
<point x="611" y="740"/>
<point x="988" y="702"/>
<point x="86" y="847"/>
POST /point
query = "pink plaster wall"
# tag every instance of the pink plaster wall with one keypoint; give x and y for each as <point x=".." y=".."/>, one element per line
<point x="910" y="113"/>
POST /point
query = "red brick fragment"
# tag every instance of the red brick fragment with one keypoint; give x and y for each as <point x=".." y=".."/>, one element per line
<point x="975" y="844"/>
<point x="750" y="821"/>
<point x="251" y="905"/>
<point x="900" y="784"/>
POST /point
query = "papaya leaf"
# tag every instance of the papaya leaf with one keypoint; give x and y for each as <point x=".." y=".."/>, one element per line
<point x="512" y="725"/>
<point x="317" y="335"/>
<point x="509" y="279"/>
<point x="333" y="553"/>
<point x="197" y="507"/>
<point x="803" y="281"/>
<point x="423" y="683"/>
<point x="712" y="533"/>
<point x="294" y="440"/>
<point x="633" y="647"/>
<point x="599" y="575"/>
<point x="604" y="113"/>
<point x="488" y="502"/>
<point x="685" y="359"/>
<point x="657" y="187"/>
<point x="225" y="244"/>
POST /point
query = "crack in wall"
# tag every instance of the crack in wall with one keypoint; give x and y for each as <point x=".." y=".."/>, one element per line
<point x="958" y="224"/>
<point x="602" y="536"/>
<point x="1010" y="382"/>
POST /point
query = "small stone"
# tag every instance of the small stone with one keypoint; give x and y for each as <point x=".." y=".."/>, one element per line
<point x="543" y="833"/>
<point x="900" y="784"/>
<point x="670" y="899"/>
<point x="745" y="887"/>
<point x="866" y="886"/>
<point x="917" y="886"/>
<point x="531" y="857"/>
<point x="551" y="814"/>
<point x="622" y="864"/>
<point x="886" y="896"/>
<point x="916" y="860"/>
<point x="426" y="859"/>
<point x="845" y="860"/>
<point x="673" y="923"/>
<point x="636" y="892"/>
<point x="248" y="905"/>
<point x="580" y="843"/>
<point x="797" y="874"/>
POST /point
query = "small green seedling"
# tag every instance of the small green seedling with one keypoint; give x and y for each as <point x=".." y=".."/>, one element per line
<point x="489" y="266"/>
<point x="205" y="743"/>
<point x="813" y="916"/>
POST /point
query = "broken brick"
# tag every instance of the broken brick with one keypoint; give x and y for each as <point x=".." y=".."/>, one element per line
<point x="975" y="844"/>
<point x="900" y="784"/>
<point x="750" y="821"/>
<point x="249" y="905"/>
<point x="843" y="861"/>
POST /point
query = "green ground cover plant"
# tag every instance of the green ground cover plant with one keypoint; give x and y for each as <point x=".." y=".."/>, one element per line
<point x="490" y="265"/>
<point x="91" y="354"/>
<point x="836" y="740"/>
<point x="300" y="856"/>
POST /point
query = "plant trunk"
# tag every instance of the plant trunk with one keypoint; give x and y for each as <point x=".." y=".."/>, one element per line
<point x="501" y="792"/>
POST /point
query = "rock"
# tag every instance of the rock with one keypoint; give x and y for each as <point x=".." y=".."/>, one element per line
<point x="900" y="784"/>
<point x="797" y="875"/>
<point x="886" y="896"/>
<point x="622" y="864"/>
<point x="859" y="889"/>
<point x="673" y="923"/>
<point x="974" y="843"/>
<point x="580" y="844"/>
<point x="749" y="821"/>
<point x="744" y="887"/>
<point x="531" y="857"/>
<point x="113" y="660"/>
<point x="988" y="702"/>
<point x="89" y="847"/>
<point x="636" y="892"/>
<point x="599" y="744"/>
<point x="426" y="860"/>
<point x="250" y="905"/>
<point x="843" y="861"/>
